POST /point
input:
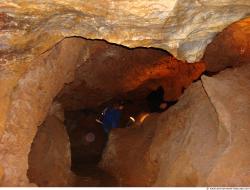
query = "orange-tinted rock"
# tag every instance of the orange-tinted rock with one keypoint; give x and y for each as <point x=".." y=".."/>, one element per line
<point x="28" y="90"/>
<point x="201" y="141"/>
<point x="179" y="76"/>
<point x="229" y="48"/>
<point x="49" y="158"/>
<point x="112" y="70"/>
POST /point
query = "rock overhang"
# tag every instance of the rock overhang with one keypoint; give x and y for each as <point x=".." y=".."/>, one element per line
<point x="183" y="28"/>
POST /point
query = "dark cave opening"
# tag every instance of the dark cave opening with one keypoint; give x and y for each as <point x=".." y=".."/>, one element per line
<point x="82" y="123"/>
<point x="147" y="80"/>
<point x="88" y="138"/>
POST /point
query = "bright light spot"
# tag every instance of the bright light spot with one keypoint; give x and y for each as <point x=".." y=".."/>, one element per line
<point x="143" y="117"/>
<point x="98" y="121"/>
<point x="133" y="119"/>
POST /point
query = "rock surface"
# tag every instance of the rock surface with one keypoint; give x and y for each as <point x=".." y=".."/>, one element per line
<point x="109" y="71"/>
<point x="230" y="48"/>
<point x="28" y="90"/>
<point x="182" y="27"/>
<point x="49" y="157"/>
<point x="127" y="157"/>
<point x="26" y="97"/>
<point x="29" y="81"/>
<point x="201" y="141"/>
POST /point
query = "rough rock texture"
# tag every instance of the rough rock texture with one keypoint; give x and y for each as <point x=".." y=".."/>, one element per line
<point x="110" y="71"/>
<point x="182" y="27"/>
<point x="28" y="90"/>
<point x="26" y="97"/>
<point x="230" y="48"/>
<point x="127" y="157"/>
<point x="50" y="158"/>
<point x="201" y="141"/>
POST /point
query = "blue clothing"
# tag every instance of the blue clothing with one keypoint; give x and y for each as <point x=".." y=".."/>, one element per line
<point x="111" y="119"/>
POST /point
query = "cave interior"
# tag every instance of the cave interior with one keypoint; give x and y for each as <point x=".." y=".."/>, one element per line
<point x="181" y="123"/>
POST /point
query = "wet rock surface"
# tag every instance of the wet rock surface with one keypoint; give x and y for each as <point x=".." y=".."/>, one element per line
<point x="201" y="141"/>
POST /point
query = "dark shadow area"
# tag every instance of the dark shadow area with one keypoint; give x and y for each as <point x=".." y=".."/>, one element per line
<point x="88" y="138"/>
<point x="87" y="141"/>
<point x="146" y="80"/>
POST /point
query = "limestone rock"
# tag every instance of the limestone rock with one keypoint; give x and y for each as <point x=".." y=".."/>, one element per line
<point x="29" y="89"/>
<point x="182" y="27"/>
<point x="127" y="154"/>
<point x="230" y="94"/>
<point x="49" y="158"/>
<point x="186" y="143"/>
<point x="230" y="48"/>
<point x="29" y="93"/>
<point x="114" y="70"/>
<point x="203" y="140"/>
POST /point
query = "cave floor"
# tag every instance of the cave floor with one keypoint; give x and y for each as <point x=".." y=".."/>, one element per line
<point x="89" y="175"/>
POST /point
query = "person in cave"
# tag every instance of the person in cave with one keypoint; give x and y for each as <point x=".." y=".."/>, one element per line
<point x="111" y="117"/>
<point x="156" y="101"/>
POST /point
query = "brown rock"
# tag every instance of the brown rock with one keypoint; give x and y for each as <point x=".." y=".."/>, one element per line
<point x="127" y="155"/>
<point x="230" y="94"/>
<point x="49" y="158"/>
<point x="182" y="27"/>
<point x="118" y="70"/>
<point x="186" y="142"/>
<point x="29" y="89"/>
<point x="201" y="141"/>
<point x="30" y="94"/>
<point x="229" y="48"/>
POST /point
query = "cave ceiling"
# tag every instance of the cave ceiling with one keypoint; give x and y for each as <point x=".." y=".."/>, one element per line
<point x="182" y="27"/>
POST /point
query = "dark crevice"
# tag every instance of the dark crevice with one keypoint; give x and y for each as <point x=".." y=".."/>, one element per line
<point x="146" y="80"/>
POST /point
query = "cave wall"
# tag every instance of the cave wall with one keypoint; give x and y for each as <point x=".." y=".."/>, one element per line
<point x="50" y="155"/>
<point x="29" y="79"/>
<point x="127" y="157"/>
<point x="201" y="141"/>
<point x="229" y="48"/>
<point x="29" y="99"/>
<point x="182" y="27"/>
<point x="115" y="70"/>
<point x="31" y="87"/>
